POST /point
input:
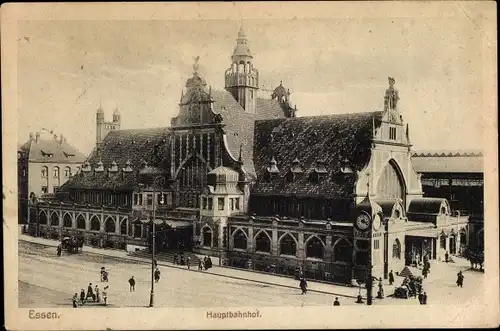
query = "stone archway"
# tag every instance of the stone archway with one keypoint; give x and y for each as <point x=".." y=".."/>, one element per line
<point x="391" y="183"/>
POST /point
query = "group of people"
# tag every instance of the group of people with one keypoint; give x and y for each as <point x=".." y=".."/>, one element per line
<point x="205" y="264"/>
<point x="180" y="260"/>
<point x="93" y="294"/>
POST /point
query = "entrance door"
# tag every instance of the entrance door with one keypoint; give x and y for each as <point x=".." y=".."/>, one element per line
<point x="453" y="245"/>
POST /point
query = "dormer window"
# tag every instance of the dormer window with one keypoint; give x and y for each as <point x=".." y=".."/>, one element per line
<point x="144" y="164"/>
<point x="47" y="154"/>
<point x="295" y="170"/>
<point x="272" y="169"/>
<point x="68" y="155"/>
<point x="128" y="167"/>
<point x="345" y="168"/>
<point x="319" y="172"/>
<point x="114" y="167"/>
<point x="100" y="167"/>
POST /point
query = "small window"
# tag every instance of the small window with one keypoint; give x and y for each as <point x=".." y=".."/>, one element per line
<point x="45" y="172"/>
<point x="56" y="188"/>
<point x="237" y="203"/>
<point x="136" y="198"/>
<point x="231" y="201"/>
<point x="67" y="172"/>
<point x="220" y="202"/>
<point x="44" y="189"/>
<point x="140" y="199"/>
<point x="210" y="202"/>
<point x="56" y="172"/>
<point x="204" y="203"/>
<point x="392" y="133"/>
<point x="376" y="244"/>
<point x="149" y="199"/>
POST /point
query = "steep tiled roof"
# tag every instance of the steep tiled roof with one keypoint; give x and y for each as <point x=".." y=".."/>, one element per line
<point x="240" y="123"/>
<point x="459" y="161"/>
<point x="121" y="146"/>
<point x="329" y="142"/>
<point x="52" y="150"/>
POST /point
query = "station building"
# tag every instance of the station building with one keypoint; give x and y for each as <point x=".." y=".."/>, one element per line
<point x="243" y="178"/>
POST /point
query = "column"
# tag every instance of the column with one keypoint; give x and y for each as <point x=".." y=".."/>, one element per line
<point x="328" y="249"/>
<point x="251" y="239"/>
<point x="274" y="241"/>
<point x="301" y="254"/>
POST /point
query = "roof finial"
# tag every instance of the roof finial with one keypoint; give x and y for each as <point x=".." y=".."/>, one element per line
<point x="196" y="66"/>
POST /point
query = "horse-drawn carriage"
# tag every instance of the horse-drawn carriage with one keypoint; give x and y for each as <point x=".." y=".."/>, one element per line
<point x="72" y="245"/>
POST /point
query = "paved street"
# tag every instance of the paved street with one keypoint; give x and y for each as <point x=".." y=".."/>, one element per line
<point x="46" y="280"/>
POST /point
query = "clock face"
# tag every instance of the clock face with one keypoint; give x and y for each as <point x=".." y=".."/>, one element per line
<point x="363" y="222"/>
<point x="377" y="222"/>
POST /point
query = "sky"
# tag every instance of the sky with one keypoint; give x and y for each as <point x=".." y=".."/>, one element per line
<point x="336" y="65"/>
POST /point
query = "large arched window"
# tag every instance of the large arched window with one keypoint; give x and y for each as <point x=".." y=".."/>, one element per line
<point x="137" y="229"/>
<point x="207" y="237"/>
<point x="95" y="224"/>
<point x="54" y="219"/>
<point x="342" y="251"/>
<point x="391" y="183"/>
<point x="80" y="222"/>
<point x="109" y="225"/>
<point x="396" y="249"/>
<point x="67" y="221"/>
<point x="45" y="172"/>
<point x="123" y="226"/>
<point x="314" y="248"/>
<point x="288" y="246"/>
<point x="240" y="239"/>
<point x="262" y="242"/>
<point x="42" y="217"/>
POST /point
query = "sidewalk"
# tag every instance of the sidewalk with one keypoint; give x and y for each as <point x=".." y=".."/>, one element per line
<point x="330" y="289"/>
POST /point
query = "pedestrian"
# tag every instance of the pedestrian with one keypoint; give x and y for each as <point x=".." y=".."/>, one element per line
<point x="90" y="292"/>
<point x="336" y="302"/>
<point x="96" y="291"/>
<point x="182" y="262"/>
<point x="380" y="293"/>
<point x="59" y="250"/>
<point x="188" y="262"/>
<point x="200" y="265"/>
<point x="424" y="299"/>
<point x="421" y="298"/>
<point x="105" y="295"/>
<point x="75" y="300"/>
<point x="157" y="275"/>
<point x="156" y="263"/>
<point x="175" y="258"/>
<point x="391" y="278"/>
<point x="131" y="281"/>
<point x="82" y="296"/>
<point x="446" y="257"/>
<point x="303" y="285"/>
<point x="424" y="272"/>
<point x="460" y="279"/>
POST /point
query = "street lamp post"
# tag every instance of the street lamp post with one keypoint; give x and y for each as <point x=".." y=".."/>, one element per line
<point x="157" y="181"/>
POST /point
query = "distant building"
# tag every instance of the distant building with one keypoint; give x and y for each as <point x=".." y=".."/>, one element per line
<point x="103" y="127"/>
<point x="44" y="164"/>
<point x="456" y="175"/>
<point x="241" y="177"/>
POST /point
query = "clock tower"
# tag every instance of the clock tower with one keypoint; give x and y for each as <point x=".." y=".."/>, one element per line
<point x="367" y="227"/>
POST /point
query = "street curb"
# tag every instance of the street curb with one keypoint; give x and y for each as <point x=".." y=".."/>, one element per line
<point x="205" y="272"/>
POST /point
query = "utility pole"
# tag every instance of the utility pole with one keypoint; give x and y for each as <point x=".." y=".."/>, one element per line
<point x="157" y="181"/>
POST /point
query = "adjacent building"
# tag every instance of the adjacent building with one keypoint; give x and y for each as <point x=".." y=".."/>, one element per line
<point x="458" y="176"/>
<point x="45" y="163"/>
<point x="242" y="177"/>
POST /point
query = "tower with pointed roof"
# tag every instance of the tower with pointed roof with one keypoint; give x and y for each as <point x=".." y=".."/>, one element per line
<point x="242" y="79"/>
<point x="103" y="127"/>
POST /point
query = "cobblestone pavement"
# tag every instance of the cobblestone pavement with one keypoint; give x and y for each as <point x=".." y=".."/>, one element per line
<point x="51" y="281"/>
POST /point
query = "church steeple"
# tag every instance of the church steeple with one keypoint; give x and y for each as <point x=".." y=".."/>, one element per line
<point x="242" y="79"/>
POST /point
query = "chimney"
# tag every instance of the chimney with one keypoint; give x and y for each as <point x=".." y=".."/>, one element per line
<point x="37" y="139"/>
<point x="32" y="136"/>
<point x="61" y="139"/>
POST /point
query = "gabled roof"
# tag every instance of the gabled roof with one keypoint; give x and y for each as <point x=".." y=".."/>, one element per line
<point x="240" y="123"/>
<point x="52" y="150"/>
<point x="121" y="146"/>
<point x="335" y="140"/>
<point x="459" y="161"/>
